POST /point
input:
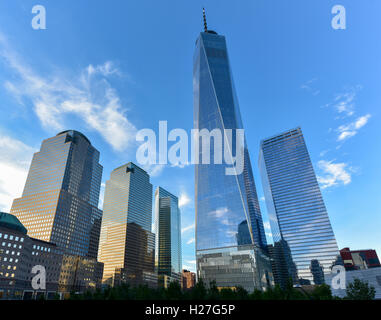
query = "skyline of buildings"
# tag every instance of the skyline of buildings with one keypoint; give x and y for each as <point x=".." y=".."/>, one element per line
<point x="20" y="253"/>
<point x="60" y="199"/>
<point x="128" y="186"/>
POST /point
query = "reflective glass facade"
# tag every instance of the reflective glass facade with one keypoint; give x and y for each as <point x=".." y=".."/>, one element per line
<point x="295" y="205"/>
<point x="59" y="203"/>
<point x="245" y="266"/>
<point x="168" y="235"/>
<point x="227" y="208"/>
<point x="127" y="245"/>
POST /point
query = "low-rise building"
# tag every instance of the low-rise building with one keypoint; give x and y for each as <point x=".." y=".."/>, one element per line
<point x="23" y="257"/>
<point x="359" y="259"/>
<point x="188" y="279"/>
<point x="371" y="276"/>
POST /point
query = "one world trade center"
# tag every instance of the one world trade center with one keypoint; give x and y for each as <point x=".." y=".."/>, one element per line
<point x="230" y="238"/>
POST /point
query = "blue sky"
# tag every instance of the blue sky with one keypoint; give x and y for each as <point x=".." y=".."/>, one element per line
<point x="109" y="69"/>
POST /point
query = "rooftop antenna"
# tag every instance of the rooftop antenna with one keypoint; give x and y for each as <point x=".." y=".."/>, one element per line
<point x="205" y="24"/>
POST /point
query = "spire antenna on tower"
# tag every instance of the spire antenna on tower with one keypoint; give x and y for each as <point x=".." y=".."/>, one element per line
<point x="205" y="24"/>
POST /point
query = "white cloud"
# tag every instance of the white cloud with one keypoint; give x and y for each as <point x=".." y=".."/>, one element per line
<point x="323" y="153"/>
<point x="351" y="129"/>
<point x="101" y="195"/>
<point x="267" y="227"/>
<point x="308" y="87"/>
<point x="334" y="174"/>
<point x="191" y="261"/>
<point x="344" y="102"/>
<point x="231" y="234"/>
<point x="262" y="199"/>
<point x="190" y="227"/>
<point x="190" y="268"/>
<point x="184" y="200"/>
<point x="220" y="212"/>
<point x="154" y="170"/>
<point x="15" y="158"/>
<point x="88" y="95"/>
<point x="191" y="240"/>
<point x="180" y="165"/>
<point x="106" y="69"/>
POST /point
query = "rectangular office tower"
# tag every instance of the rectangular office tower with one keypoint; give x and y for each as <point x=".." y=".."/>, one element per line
<point x="168" y="237"/>
<point x="59" y="203"/>
<point x="229" y="228"/>
<point x="298" y="216"/>
<point x="127" y="245"/>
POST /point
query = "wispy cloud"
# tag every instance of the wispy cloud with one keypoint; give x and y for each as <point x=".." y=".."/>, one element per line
<point x="106" y="69"/>
<point x="87" y="95"/>
<point x="231" y="234"/>
<point x="154" y="170"/>
<point x="323" y="153"/>
<point x="334" y="174"/>
<point x="344" y="102"/>
<point x="190" y="227"/>
<point x="308" y="86"/>
<point x="180" y="165"/>
<point x="15" y="158"/>
<point x="219" y="213"/>
<point x="191" y="240"/>
<point x="349" y="130"/>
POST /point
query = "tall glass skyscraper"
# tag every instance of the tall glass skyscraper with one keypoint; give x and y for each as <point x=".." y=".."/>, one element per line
<point x="59" y="203"/>
<point x="168" y="236"/>
<point x="229" y="227"/>
<point x="295" y="205"/>
<point x="127" y="245"/>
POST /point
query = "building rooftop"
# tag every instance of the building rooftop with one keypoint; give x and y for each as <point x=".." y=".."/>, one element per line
<point x="74" y="132"/>
<point x="11" y="222"/>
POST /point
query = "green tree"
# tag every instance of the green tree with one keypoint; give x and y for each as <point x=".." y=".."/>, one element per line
<point x="322" y="292"/>
<point x="360" y="290"/>
<point x="213" y="292"/>
<point x="275" y="293"/>
<point x="256" y="295"/>
<point x="199" y="291"/>
<point x="242" y="294"/>
<point x="173" y="291"/>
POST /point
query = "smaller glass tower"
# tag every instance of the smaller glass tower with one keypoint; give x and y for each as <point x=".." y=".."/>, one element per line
<point x="168" y="237"/>
<point x="127" y="244"/>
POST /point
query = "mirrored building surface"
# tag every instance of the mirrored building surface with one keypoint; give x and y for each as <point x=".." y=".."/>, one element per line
<point x="168" y="236"/>
<point x="59" y="203"/>
<point x="295" y="205"/>
<point x="127" y="245"/>
<point x="227" y="208"/>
